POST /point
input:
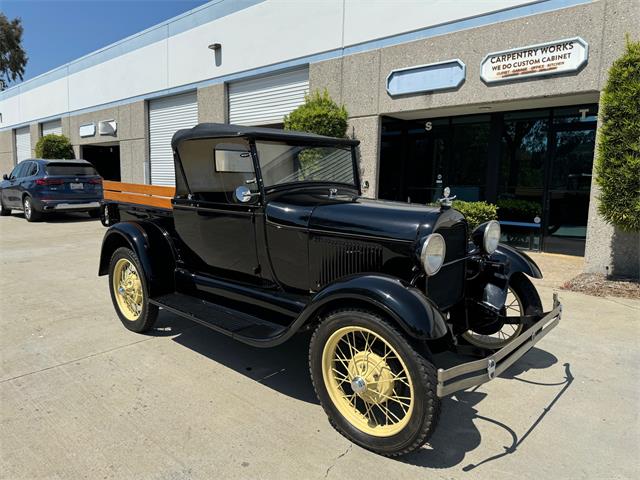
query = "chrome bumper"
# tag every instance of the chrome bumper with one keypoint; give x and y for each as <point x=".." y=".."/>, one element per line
<point x="493" y="365"/>
<point x="74" y="206"/>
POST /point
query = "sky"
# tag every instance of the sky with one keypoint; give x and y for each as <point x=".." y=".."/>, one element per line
<point x="56" y="32"/>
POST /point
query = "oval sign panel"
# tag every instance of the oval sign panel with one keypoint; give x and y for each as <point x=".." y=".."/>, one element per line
<point x="552" y="58"/>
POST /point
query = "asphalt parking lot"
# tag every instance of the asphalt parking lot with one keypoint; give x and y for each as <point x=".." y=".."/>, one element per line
<point x="82" y="397"/>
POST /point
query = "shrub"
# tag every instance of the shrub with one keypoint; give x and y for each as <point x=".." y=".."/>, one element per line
<point x="618" y="159"/>
<point x="54" y="146"/>
<point x="318" y="114"/>
<point x="476" y="213"/>
<point x="516" y="209"/>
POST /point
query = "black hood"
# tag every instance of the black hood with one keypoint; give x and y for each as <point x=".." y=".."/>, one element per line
<point x="374" y="218"/>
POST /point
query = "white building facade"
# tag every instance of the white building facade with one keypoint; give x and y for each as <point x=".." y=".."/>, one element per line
<point x="497" y="99"/>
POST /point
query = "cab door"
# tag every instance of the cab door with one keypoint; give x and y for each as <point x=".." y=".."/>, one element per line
<point x="215" y="228"/>
<point x="12" y="192"/>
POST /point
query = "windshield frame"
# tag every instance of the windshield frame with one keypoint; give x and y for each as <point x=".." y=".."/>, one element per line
<point x="306" y="183"/>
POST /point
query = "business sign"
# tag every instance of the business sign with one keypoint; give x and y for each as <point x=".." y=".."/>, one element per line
<point x="552" y="58"/>
<point x="426" y="78"/>
<point x="87" y="130"/>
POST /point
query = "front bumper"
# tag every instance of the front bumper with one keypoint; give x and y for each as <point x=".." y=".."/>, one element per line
<point x="462" y="376"/>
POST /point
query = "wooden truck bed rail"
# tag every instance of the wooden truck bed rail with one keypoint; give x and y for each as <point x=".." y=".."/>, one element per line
<point x="136" y="193"/>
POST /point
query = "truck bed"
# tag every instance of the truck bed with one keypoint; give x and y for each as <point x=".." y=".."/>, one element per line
<point x="138" y="194"/>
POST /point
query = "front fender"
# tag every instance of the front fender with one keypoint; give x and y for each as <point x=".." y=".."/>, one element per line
<point x="150" y="246"/>
<point x="516" y="260"/>
<point x="407" y="306"/>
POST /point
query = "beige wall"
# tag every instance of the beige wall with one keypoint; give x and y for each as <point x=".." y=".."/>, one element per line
<point x="7" y="155"/>
<point x="212" y="104"/>
<point x="131" y="135"/>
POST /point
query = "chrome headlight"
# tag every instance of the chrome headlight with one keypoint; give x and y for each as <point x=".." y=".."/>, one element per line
<point x="432" y="253"/>
<point x="491" y="237"/>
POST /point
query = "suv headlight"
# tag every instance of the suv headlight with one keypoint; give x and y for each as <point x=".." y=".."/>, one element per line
<point x="432" y="253"/>
<point x="487" y="236"/>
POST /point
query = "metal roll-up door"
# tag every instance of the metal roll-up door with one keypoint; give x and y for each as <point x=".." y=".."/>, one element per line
<point x="54" y="127"/>
<point x="166" y="116"/>
<point x="23" y="143"/>
<point x="266" y="100"/>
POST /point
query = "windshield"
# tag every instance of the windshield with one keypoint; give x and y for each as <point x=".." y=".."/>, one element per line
<point x="281" y="163"/>
<point x="71" y="169"/>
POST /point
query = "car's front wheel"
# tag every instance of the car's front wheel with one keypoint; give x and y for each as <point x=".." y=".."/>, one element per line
<point x="31" y="213"/>
<point x="4" y="212"/>
<point x="129" y="291"/>
<point x="376" y="389"/>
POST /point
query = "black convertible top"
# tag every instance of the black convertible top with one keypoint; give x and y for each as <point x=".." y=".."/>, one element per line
<point x="219" y="130"/>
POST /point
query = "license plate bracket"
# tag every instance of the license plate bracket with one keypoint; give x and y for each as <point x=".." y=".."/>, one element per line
<point x="76" y="186"/>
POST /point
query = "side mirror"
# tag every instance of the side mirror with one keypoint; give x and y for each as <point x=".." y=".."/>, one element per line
<point x="5" y="177"/>
<point x="244" y="195"/>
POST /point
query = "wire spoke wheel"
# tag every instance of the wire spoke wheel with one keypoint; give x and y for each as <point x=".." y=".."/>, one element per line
<point x="368" y="381"/>
<point x="128" y="289"/>
<point x="513" y="308"/>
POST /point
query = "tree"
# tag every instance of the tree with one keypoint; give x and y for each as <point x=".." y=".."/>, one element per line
<point x="618" y="159"/>
<point x="12" y="56"/>
<point x="54" y="146"/>
<point x="318" y="114"/>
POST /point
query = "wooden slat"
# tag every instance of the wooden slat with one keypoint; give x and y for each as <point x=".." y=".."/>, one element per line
<point x="157" y="201"/>
<point x="139" y="188"/>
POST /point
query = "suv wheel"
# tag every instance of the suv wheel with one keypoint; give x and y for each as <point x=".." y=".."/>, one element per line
<point x="4" y="212"/>
<point x="31" y="214"/>
<point x="377" y="390"/>
<point x="129" y="291"/>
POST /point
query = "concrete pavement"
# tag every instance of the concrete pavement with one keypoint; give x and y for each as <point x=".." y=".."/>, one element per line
<point x="82" y="397"/>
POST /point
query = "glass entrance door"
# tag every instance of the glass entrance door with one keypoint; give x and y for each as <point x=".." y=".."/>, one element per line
<point x="569" y="184"/>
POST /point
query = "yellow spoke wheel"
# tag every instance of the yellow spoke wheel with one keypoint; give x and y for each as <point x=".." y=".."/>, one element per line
<point x="367" y="381"/>
<point x="127" y="287"/>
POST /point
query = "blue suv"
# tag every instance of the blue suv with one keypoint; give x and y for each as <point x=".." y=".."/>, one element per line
<point x="38" y="186"/>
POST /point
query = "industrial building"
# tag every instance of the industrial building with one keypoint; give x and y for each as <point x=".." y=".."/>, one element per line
<point x="496" y="99"/>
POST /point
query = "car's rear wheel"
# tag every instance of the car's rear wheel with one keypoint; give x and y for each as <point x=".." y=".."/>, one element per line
<point x="129" y="291"/>
<point x="376" y="389"/>
<point x="4" y="212"/>
<point x="31" y="213"/>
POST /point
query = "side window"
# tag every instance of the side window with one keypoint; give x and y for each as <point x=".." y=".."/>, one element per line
<point x="14" y="172"/>
<point x="32" y="169"/>
<point x="214" y="168"/>
<point x="18" y="172"/>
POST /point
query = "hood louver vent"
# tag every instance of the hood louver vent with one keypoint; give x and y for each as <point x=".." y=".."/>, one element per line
<point x="332" y="259"/>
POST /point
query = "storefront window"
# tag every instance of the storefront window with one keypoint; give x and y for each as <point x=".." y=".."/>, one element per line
<point x="466" y="173"/>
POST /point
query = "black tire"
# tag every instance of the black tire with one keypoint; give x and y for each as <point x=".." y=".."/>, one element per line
<point x="31" y="213"/>
<point x="94" y="213"/>
<point x="4" y="212"/>
<point x="426" y="408"/>
<point x="530" y="303"/>
<point x="149" y="313"/>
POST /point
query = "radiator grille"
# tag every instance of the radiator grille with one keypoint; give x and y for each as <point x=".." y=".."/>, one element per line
<point x="332" y="259"/>
<point x="446" y="288"/>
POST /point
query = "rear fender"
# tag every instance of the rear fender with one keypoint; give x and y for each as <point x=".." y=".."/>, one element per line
<point x="151" y="246"/>
<point x="405" y="305"/>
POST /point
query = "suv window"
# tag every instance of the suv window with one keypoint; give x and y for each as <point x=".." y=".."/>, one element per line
<point x="32" y="169"/>
<point x="70" y="169"/>
<point x="18" y="172"/>
<point x="216" y="167"/>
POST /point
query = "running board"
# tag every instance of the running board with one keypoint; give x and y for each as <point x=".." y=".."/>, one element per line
<point x="238" y="325"/>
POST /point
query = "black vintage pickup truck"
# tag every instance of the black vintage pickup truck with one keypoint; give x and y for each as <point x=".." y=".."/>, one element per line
<point x="268" y="235"/>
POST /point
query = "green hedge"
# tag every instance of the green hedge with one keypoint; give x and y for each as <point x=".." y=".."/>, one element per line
<point x="522" y="210"/>
<point x="618" y="159"/>
<point x="54" y="146"/>
<point x="318" y="114"/>
<point x="476" y="213"/>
